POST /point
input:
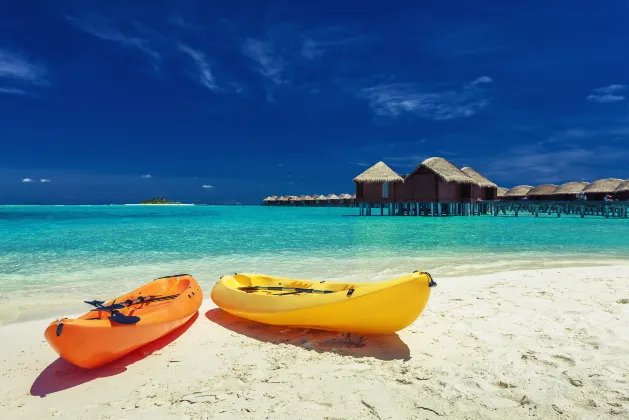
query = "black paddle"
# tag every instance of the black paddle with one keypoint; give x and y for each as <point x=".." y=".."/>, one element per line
<point x="115" y="316"/>
<point x="98" y="304"/>
<point x="120" y="318"/>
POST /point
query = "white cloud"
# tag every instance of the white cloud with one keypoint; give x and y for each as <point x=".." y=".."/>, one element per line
<point x="605" y="98"/>
<point x="611" y="88"/>
<point x="360" y="163"/>
<point x="268" y="63"/>
<point x="12" y="91"/>
<point x="316" y="43"/>
<point x="44" y="180"/>
<point x="607" y="94"/>
<point x="146" y="176"/>
<point x="207" y="186"/>
<point x="27" y="180"/>
<point x="103" y="29"/>
<point x="206" y="78"/>
<point x="481" y="80"/>
<point x="17" y="67"/>
<point x="395" y="99"/>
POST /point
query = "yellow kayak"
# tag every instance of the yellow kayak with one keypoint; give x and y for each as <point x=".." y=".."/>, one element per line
<point x="362" y="308"/>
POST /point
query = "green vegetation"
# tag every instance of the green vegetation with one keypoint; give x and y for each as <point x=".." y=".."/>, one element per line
<point x="157" y="200"/>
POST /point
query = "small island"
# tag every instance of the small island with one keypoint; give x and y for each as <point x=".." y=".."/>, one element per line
<point x="157" y="200"/>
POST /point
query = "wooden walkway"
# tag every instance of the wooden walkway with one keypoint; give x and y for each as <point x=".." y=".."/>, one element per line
<point x="607" y="209"/>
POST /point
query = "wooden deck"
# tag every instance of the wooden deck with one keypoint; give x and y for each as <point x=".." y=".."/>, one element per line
<point x="607" y="209"/>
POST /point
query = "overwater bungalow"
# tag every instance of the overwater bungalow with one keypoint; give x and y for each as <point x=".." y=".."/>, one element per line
<point x="378" y="184"/>
<point x="517" y="193"/>
<point x="269" y="201"/>
<point x="333" y="200"/>
<point x="482" y="188"/>
<point x="298" y="200"/>
<point x="622" y="191"/>
<point x="568" y="191"/>
<point x="309" y="200"/>
<point x="597" y="190"/>
<point x="500" y="193"/>
<point x="542" y="192"/>
<point x="321" y="200"/>
<point x="346" y="200"/>
<point x="436" y="180"/>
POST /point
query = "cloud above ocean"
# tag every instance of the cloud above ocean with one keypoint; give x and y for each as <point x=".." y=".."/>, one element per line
<point x="394" y="99"/>
<point x="606" y="94"/>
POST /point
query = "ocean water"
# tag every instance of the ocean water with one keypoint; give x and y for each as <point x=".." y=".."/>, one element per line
<point x="54" y="257"/>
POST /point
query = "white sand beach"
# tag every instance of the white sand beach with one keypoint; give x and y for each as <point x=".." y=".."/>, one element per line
<point x="550" y="344"/>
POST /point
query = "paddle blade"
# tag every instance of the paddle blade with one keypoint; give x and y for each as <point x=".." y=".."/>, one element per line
<point x="119" y="318"/>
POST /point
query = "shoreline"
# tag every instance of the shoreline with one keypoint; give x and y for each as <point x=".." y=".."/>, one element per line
<point x="29" y="308"/>
<point x="550" y="343"/>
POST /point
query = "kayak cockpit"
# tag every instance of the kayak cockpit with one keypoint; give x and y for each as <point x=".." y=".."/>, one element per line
<point x="266" y="285"/>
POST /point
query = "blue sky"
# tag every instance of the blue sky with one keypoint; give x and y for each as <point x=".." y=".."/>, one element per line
<point x="118" y="101"/>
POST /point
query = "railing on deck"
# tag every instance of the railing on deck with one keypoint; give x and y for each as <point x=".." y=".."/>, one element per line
<point x="607" y="209"/>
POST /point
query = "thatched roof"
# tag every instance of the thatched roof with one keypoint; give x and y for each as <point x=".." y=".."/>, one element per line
<point x="333" y="197"/>
<point x="478" y="179"/>
<point x="544" y="189"/>
<point x="502" y="191"/>
<point x="308" y="198"/>
<point x="623" y="187"/>
<point x="271" y="198"/>
<point x="283" y="198"/>
<point x="321" y="197"/>
<point x="379" y="172"/>
<point x="445" y="170"/>
<point x="519" y="191"/>
<point x="604" y="186"/>
<point x="570" y="188"/>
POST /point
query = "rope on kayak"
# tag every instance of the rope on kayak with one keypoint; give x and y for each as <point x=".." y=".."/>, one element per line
<point x="176" y="275"/>
<point x="282" y="288"/>
<point x="432" y="282"/>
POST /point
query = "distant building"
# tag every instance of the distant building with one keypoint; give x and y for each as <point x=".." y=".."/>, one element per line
<point x="542" y="192"/>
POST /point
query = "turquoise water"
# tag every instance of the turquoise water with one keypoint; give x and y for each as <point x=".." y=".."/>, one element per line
<point x="52" y="258"/>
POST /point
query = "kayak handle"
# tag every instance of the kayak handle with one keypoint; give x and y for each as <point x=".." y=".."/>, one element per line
<point x="432" y="282"/>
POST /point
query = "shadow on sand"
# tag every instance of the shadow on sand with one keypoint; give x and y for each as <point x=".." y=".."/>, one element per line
<point x="61" y="375"/>
<point x="383" y="347"/>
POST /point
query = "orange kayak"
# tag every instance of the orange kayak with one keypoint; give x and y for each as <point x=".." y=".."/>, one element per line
<point x="116" y="328"/>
